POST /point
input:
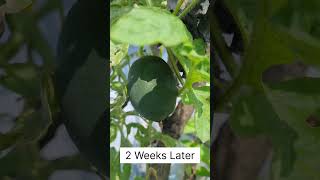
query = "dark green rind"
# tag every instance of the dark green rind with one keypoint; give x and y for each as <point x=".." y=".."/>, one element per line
<point x="152" y="72"/>
<point x="84" y="32"/>
<point x="83" y="105"/>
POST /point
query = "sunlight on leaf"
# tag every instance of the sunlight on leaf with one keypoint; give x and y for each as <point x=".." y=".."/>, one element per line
<point x="148" y="26"/>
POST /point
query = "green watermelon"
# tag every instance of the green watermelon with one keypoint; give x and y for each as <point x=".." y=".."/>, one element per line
<point x="152" y="88"/>
<point x="80" y="80"/>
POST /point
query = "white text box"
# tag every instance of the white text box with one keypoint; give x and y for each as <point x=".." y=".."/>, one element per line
<point x="160" y="155"/>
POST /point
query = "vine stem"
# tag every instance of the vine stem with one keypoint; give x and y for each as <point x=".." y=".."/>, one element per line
<point x="219" y="44"/>
<point x="230" y="93"/>
<point x="149" y="2"/>
<point x="178" y="6"/>
<point x="189" y="8"/>
<point x="242" y="30"/>
<point x="174" y="66"/>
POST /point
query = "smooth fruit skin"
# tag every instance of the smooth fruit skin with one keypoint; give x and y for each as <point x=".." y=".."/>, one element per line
<point x="152" y="88"/>
<point x="82" y="34"/>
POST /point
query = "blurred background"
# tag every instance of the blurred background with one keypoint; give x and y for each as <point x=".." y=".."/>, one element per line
<point x="29" y="148"/>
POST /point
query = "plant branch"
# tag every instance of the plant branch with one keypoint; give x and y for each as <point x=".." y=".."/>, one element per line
<point x="149" y="2"/>
<point x="178" y="6"/>
<point x="220" y="45"/>
<point x="174" y="66"/>
<point x="173" y="126"/>
<point x="189" y="8"/>
<point x="228" y="95"/>
<point x="241" y="29"/>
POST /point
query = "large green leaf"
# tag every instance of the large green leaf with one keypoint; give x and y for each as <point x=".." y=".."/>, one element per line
<point x="273" y="43"/>
<point x="116" y="11"/>
<point x="83" y="107"/>
<point x="296" y="101"/>
<point x="147" y="26"/>
<point x="253" y="114"/>
<point x="272" y="114"/>
<point x="202" y="115"/>
<point x="301" y="16"/>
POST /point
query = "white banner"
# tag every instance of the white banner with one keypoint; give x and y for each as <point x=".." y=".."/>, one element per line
<point x="160" y="155"/>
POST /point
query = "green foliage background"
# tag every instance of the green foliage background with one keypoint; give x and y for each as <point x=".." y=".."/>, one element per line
<point x="144" y="24"/>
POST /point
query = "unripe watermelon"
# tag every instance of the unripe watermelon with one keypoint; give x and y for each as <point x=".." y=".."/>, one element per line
<point x="152" y="88"/>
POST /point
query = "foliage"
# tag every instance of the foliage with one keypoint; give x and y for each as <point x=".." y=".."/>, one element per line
<point x="155" y="31"/>
<point x="275" y="33"/>
<point x="41" y="87"/>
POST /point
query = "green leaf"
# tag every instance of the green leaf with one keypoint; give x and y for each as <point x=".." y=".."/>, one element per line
<point x="246" y="120"/>
<point x="140" y="128"/>
<point x="202" y="171"/>
<point x="280" y="34"/>
<point x="165" y="139"/>
<point x="202" y="114"/>
<point x="117" y="52"/>
<point x="19" y="162"/>
<point x="200" y="99"/>
<point x="299" y="16"/>
<point x="272" y="44"/>
<point x="126" y="171"/>
<point x="30" y="126"/>
<point x="148" y="26"/>
<point x="113" y="133"/>
<point x="197" y="68"/>
<point x="142" y="139"/>
<point x="296" y="101"/>
<point x="200" y="46"/>
<point x="190" y="127"/>
<point x="115" y="167"/>
<point x="117" y="11"/>
<point x="138" y="178"/>
<point x="22" y="79"/>
<point x="205" y="154"/>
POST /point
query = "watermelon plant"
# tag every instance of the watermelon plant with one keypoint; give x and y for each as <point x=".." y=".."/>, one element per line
<point x="159" y="84"/>
<point x="270" y="88"/>
<point x="53" y="88"/>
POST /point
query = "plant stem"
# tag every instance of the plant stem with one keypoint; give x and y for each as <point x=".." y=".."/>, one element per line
<point x="229" y="94"/>
<point x="178" y="6"/>
<point x="174" y="66"/>
<point x="242" y="31"/>
<point x="189" y="8"/>
<point x="149" y="2"/>
<point x="220" y="45"/>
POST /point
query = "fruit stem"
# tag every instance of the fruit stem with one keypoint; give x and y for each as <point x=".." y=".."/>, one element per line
<point x="188" y="8"/>
<point x="178" y="6"/>
<point x="174" y="66"/>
